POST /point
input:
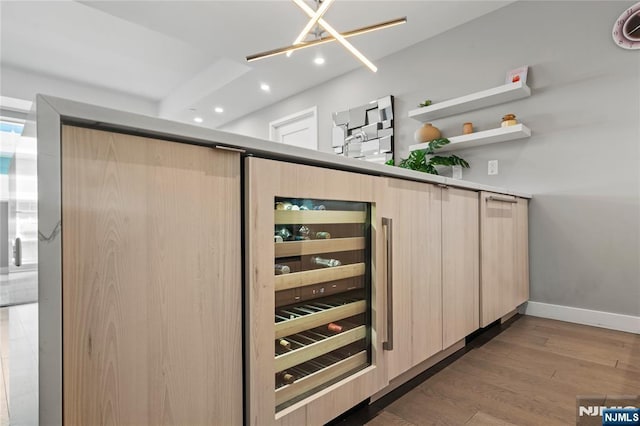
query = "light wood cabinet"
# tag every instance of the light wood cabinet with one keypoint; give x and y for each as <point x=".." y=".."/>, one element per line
<point x="504" y="282"/>
<point x="329" y="266"/>
<point x="151" y="281"/>
<point x="435" y="269"/>
<point x="415" y="210"/>
<point x="460" y="264"/>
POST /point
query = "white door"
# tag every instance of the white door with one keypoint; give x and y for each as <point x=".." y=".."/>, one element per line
<point x="299" y="129"/>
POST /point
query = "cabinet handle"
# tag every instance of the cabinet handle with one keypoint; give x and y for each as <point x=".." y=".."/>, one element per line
<point x="504" y="200"/>
<point x="17" y="252"/>
<point x="230" y="148"/>
<point x="388" y="223"/>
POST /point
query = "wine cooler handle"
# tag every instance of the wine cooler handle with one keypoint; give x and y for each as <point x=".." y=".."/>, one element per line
<point x="388" y="223"/>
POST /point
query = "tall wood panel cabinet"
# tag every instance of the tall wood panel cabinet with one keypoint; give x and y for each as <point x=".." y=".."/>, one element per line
<point x="315" y="292"/>
<point x="151" y="281"/>
<point x="504" y="255"/>
<point x="460" y="264"/>
<point x="416" y="233"/>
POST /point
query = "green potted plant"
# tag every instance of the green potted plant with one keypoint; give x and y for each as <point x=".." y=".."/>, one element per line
<point x="425" y="160"/>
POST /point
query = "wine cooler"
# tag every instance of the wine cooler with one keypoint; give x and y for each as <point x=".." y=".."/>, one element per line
<point x="322" y="320"/>
<point x="314" y="295"/>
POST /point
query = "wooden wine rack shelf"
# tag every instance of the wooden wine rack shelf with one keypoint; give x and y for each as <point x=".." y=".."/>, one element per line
<point x="318" y="348"/>
<point x="314" y="217"/>
<point x="318" y="378"/>
<point x="299" y="248"/>
<point x="297" y="325"/>
<point x="317" y="276"/>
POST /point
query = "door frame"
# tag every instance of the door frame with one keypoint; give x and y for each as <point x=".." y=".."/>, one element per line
<point x="297" y="116"/>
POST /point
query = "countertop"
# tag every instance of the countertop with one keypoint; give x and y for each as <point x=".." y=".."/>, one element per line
<point x="72" y="112"/>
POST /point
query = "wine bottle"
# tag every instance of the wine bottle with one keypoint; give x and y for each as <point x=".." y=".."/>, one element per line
<point x="304" y="231"/>
<point x="284" y="343"/>
<point x="281" y="269"/>
<point x="336" y="328"/>
<point x="284" y="233"/>
<point x="325" y="262"/>
<point x="286" y="378"/>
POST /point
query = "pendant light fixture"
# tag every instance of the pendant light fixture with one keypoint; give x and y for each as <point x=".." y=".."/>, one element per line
<point x="321" y="27"/>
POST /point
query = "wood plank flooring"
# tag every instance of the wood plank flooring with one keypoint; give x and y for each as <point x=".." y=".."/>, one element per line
<point x="528" y="374"/>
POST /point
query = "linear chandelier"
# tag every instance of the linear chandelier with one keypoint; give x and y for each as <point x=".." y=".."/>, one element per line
<point x="316" y="20"/>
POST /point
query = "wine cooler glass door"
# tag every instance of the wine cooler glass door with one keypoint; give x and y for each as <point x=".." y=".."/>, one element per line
<point x="322" y="318"/>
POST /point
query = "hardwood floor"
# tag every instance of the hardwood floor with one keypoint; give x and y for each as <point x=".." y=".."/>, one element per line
<point x="528" y="374"/>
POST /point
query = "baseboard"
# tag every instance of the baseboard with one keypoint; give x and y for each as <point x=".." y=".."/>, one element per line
<point x="628" y="323"/>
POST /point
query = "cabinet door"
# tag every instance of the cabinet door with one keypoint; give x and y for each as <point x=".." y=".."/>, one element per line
<point x="460" y="264"/>
<point x="415" y="210"/>
<point x="314" y="296"/>
<point x="521" y="293"/>
<point x="497" y="256"/>
<point x="151" y="281"/>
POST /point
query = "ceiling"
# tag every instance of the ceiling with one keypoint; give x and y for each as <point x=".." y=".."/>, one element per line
<point x="188" y="56"/>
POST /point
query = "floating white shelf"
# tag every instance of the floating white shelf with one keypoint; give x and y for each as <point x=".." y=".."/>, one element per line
<point x="497" y="95"/>
<point x="486" y="137"/>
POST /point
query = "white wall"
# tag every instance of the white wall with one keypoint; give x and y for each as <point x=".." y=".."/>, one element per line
<point x="582" y="163"/>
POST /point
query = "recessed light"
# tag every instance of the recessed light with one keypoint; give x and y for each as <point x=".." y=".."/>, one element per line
<point x="265" y="87"/>
<point x="319" y="60"/>
<point x="219" y="110"/>
<point x="198" y="119"/>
